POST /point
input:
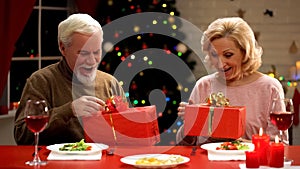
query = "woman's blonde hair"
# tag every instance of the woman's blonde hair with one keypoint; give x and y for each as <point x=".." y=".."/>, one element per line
<point x="241" y="33"/>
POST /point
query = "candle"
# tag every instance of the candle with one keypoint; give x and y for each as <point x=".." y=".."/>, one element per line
<point x="261" y="142"/>
<point x="276" y="158"/>
<point x="252" y="159"/>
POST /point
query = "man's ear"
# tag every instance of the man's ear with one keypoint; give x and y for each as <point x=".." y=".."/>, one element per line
<point x="62" y="48"/>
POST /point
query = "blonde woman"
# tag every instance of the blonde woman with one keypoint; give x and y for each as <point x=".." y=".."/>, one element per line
<point x="233" y="51"/>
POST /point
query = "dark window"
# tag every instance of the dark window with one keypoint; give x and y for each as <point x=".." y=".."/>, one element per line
<point x="27" y="56"/>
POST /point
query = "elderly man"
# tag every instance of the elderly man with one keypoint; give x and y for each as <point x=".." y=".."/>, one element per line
<point x="73" y="87"/>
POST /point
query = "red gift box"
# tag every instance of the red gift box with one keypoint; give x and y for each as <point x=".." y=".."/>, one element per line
<point x="133" y="126"/>
<point x="218" y="122"/>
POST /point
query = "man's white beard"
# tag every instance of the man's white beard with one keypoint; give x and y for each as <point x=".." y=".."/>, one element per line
<point x="86" y="80"/>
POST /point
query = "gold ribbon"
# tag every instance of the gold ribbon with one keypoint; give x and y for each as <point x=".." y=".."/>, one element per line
<point x="215" y="100"/>
<point x="210" y="119"/>
<point x="112" y="127"/>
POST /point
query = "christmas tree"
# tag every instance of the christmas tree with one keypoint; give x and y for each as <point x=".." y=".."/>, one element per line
<point x="144" y="37"/>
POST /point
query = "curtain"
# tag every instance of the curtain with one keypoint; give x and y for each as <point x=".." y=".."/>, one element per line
<point x="13" y="17"/>
<point x="88" y="7"/>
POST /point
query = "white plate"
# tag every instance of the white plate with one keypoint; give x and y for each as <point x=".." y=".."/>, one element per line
<point x="131" y="160"/>
<point x="213" y="147"/>
<point x="221" y="155"/>
<point x="96" y="147"/>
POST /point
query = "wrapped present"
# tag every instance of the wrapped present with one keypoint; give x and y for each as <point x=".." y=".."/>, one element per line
<point x="216" y="118"/>
<point x="131" y="126"/>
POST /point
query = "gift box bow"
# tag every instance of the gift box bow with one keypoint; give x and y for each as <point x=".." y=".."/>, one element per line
<point x="115" y="104"/>
<point x="217" y="99"/>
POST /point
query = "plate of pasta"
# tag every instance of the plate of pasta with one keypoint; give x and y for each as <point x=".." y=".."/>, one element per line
<point x="155" y="160"/>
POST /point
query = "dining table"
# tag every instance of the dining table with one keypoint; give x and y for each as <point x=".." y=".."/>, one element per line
<point x="15" y="156"/>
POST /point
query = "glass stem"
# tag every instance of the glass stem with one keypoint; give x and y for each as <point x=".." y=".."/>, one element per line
<point x="281" y="137"/>
<point x="36" y="151"/>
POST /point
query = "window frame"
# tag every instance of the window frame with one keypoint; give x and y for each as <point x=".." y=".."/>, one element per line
<point x="40" y="58"/>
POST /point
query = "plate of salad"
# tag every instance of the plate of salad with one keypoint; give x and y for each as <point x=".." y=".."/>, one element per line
<point x="77" y="148"/>
<point x="234" y="150"/>
<point x="233" y="147"/>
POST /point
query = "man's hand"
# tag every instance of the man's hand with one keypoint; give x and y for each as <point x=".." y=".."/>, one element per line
<point x="87" y="105"/>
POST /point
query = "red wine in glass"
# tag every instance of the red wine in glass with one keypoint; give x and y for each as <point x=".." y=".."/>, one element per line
<point x="282" y="114"/>
<point x="37" y="123"/>
<point x="283" y="120"/>
<point x="36" y="119"/>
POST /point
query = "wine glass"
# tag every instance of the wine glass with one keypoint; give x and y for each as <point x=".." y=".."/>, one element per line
<point x="282" y="114"/>
<point x="36" y="118"/>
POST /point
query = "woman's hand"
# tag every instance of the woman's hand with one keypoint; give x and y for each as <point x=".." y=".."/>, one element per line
<point x="181" y="108"/>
